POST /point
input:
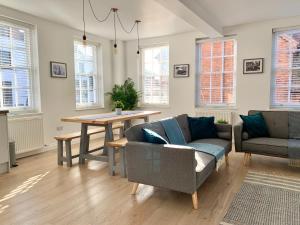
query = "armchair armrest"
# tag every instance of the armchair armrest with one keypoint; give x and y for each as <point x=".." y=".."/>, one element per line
<point x="238" y="132"/>
<point x="224" y="131"/>
<point x="167" y="166"/>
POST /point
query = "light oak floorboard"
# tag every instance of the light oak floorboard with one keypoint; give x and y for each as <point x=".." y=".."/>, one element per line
<point x="39" y="191"/>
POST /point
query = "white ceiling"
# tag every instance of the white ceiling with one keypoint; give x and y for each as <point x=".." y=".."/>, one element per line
<point x="234" y="12"/>
<point x="158" y="17"/>
<point x="156" y="20"/>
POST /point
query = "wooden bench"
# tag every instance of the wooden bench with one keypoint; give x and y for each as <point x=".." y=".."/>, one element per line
<point x="113" y="145"/>
<point x="67" y="138"/>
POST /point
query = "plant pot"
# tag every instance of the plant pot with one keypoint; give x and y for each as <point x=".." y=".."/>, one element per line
<point x="118" y="111"/>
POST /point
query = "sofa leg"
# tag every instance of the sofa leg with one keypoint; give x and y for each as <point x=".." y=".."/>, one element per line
<point x="227" y="160"/>
<point x="247" y="157"/>
<point x="134" y="188"/>
<point x="195" y="200"/>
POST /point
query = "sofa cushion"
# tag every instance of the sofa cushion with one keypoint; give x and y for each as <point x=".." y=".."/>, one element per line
<point x="202" y="127"/>
<point x="277" y="122"/>
<point x="267" y="146"/>
<point x="184" y="125"/>
<point x="255" y="125"/>
<point x="152" y="137"/>
<point x="294" y="125"/>
<point x="226" y="144"/>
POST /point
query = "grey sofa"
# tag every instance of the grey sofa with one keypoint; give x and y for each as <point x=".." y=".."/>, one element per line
<point x="282" y="125"/>
<point x="171" y="166"/>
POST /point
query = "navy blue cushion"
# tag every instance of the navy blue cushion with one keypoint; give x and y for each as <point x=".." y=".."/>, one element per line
<point x="255" y="125"/>
<point x="152" y="137"/>
<point x="202" y="127"/>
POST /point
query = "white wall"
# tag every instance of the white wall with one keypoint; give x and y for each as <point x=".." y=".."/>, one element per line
<point x="253" y="41"/>
<point x="55" y="43"/>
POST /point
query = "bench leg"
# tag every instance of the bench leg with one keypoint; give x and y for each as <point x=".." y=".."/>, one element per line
<point x="195" y="200"/>
<point x="122" y="162"/>
<point x="111" y="161"/>
<point x="134" y="188"/>
<point x="69" y="153"/>
<point x="60" y="152"/>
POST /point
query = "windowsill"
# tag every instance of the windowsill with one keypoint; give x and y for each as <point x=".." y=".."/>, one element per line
<point x="283" y="108"/>
<point x="92" y="107"/>
<point x="21" y="114"/>
<point x="233" y="108"/>
<point x="155" y="106"/>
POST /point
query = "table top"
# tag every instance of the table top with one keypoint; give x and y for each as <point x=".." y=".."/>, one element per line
<point x="112" y="117"/>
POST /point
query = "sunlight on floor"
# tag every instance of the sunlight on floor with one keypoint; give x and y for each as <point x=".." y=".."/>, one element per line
<point x="23" y="188"/>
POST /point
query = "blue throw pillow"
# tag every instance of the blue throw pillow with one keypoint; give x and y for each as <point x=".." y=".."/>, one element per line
<point x="152" y="137"/>
<point x="202" y="127"/>
<point x="255" y="125"/>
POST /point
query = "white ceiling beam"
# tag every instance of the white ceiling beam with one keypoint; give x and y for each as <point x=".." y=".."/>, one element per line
<point x="191" y="12"/>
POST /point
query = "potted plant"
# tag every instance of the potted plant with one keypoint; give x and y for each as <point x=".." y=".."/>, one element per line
<point x="222" y="121"/>
<point x="126" y="93"/>
<point x="118" y="105"/>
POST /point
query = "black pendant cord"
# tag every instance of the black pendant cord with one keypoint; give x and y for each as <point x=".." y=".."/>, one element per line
<point x="138" y="36"/>
<point x="83" y="19"/>
<point x="123" y="27"/>
<point x="115" y="28"/>
<point x="99" y="20"/>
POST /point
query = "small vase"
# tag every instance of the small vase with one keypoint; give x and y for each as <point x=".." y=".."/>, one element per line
<point x="118" y="111"/>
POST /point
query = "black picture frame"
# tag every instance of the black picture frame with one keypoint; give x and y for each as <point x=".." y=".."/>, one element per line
<point x="253" y="66"/>
<point x="58" y="69"/>
<point x="181" y="70"/>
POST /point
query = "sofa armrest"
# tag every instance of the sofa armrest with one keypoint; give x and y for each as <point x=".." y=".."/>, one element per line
<point x="238" y="136"/>
<point x="224" y="131"/>
<point x="167" y="166"/>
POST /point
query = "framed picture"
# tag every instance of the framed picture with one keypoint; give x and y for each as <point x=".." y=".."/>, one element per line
<point x="252" y="66"/>
<point x="58" y="69"/>
<point x="182" y="70"/>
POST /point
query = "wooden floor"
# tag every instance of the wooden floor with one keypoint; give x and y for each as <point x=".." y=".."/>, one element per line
<point x="40" y="192"/>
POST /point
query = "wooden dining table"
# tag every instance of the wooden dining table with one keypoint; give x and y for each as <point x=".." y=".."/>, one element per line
<point x="104" y="120"/>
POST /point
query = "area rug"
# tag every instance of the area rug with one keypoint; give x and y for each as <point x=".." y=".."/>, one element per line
<point x="265" y="199"/>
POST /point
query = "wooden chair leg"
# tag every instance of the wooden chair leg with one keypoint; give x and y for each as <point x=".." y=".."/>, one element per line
<point x="60" y="152"/>
<point x="122" y="162"/>
<point x="227" y="160"/>
<point x="247" y="157"/>
<point x="195" y="200"/>
<point x="111" y="161"/>
<point x="134" y="188"/>
<point x="69" y="153"/>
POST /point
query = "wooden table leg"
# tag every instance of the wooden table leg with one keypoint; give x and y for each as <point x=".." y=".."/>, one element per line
<point x="109" y="136"/>
<point x="83" y="143"/>
<point x="146" y="119"/>
<point x="127" y="124"/>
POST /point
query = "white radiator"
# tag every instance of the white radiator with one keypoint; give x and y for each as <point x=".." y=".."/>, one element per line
<point x="27" y="132"/>
<point x="218" y="114"/>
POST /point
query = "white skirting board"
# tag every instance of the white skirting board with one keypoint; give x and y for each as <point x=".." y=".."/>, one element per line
<point x="4" y="167"/>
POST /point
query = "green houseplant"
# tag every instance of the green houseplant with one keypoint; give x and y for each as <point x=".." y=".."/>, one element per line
<point x="126" y="94"/>
<point x="118" y="105"/>
<point x="222" y="121"/>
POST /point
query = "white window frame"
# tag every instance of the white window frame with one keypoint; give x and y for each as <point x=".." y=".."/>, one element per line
<point x="198" y="104"/>
<point x="98" y="77"/>
<point x="274" y="105"/>
<point x="141" y="77"/>
<point x="33" y="70"/>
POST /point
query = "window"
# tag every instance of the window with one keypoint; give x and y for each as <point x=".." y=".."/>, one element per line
<point x="216" y="69"/>
<point x="16" y="67"/>
<point x="155" y="75"/>
<point x="87" y="78"/>
<point x="286" y="69"/>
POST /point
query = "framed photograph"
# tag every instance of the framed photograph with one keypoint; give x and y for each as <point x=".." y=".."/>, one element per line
<point x="58" y="69"/>
<point x="252" y="66"/>
<point x="182" y="70"/>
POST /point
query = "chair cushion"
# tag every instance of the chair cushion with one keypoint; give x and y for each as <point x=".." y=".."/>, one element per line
<point x="151" y="136"/>
<point x="226" y="144"/>
<point x="266" y="146"/>
<point x="184" y="125"/>
<point x="202" y="127"/>
<point x="255" y="125"/>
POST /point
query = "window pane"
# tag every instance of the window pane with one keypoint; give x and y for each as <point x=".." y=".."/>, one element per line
<point x="86" y="74"/>
<point x="286" y="75"/>
<point x="155" y="75"/>
<point x="216" y="72"/>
